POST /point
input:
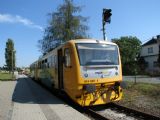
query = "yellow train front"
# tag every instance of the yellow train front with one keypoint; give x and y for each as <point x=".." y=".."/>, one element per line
<point x="89" y="71"/>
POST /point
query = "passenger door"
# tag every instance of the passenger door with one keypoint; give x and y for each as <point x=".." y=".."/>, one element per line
<point x="68" y="83"/>
<point x="60" y="69"/>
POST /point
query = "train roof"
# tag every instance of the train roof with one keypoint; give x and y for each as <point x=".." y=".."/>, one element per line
<point x="34" y="62"/>
<point x="76" y="41"/>
<point x="91" y="41"/>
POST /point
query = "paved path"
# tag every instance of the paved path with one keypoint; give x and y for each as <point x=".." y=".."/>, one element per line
<point x="32" y="102"/>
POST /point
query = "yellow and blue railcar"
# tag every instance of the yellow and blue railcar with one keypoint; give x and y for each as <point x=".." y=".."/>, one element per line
<point x="88" y="71"/>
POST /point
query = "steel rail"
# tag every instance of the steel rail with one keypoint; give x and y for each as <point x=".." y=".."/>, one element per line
<point x="121" y="109"/>
<point x="137" y="113"/>
<point x="94" y="114"/>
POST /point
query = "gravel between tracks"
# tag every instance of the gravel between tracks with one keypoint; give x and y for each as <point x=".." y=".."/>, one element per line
<point x="114" y="115"/>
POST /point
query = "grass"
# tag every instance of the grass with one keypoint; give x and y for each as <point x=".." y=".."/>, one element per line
<point x="142" y="96"/>
<point x="150" y="90"/>
<point x="5" y="76"/>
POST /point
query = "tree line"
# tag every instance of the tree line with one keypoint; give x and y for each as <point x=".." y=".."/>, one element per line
<point x="132" y="62"/>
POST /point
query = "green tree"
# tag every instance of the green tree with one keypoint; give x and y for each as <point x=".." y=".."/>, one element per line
<point x="10" y="55"/>
<point x="129" y="49"/>
<point x="142" y="64"/>
<point x="64" y="25"/>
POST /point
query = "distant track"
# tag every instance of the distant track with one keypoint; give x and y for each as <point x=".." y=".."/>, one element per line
<point x="116" y="112"/>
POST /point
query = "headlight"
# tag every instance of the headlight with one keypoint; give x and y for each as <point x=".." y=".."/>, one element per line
<point x="85" y="75"/>
<point x="116" y="73"/>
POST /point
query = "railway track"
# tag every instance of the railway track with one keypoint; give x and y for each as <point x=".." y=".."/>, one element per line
<point x="110" y="111"/>
<point x="116" y="112"/>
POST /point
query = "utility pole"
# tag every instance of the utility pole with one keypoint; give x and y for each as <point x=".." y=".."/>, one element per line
<point x="106" y="18"/>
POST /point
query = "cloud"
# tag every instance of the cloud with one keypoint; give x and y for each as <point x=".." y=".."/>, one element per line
<point x="18" y="19"/>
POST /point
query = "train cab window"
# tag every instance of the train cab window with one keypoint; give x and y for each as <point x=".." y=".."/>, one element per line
<point x="67" y="58"/>
<point x="50" y="62"/>
<point x="39" y="64"/>
<point x="55" y="61"/>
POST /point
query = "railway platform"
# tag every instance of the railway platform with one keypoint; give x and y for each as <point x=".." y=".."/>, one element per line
<point x="25" y="100"/>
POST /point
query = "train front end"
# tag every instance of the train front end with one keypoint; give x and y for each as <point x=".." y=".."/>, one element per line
<point x="100" y="73"/>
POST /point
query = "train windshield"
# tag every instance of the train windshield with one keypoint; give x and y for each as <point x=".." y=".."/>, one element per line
<point x="97" y="54"/>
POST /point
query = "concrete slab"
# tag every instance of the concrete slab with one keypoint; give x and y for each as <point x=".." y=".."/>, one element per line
<point x="32" y="102"/>
<point x="27" y="112"/>
<point x="6" y="104"/>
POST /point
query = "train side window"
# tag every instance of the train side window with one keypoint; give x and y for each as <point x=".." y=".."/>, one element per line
<point x="52" y="61"/>
<point x="55" y="62"/>
<point x="67" y="57"/>
<point x="39" y="64"/>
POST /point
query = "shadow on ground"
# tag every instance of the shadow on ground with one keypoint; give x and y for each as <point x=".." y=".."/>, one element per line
<point x="27" y="91"/>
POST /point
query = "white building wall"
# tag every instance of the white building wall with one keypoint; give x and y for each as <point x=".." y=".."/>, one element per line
<point x="144" y="51"/>
<point x="150" y="58"/>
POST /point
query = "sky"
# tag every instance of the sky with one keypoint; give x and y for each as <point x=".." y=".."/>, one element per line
<point x="24" y="22"/>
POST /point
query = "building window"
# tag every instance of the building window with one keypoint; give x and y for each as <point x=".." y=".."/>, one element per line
<point x="146" y="64"/>
<point x="155" y="64"/>
<point x="150" y="50"/>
